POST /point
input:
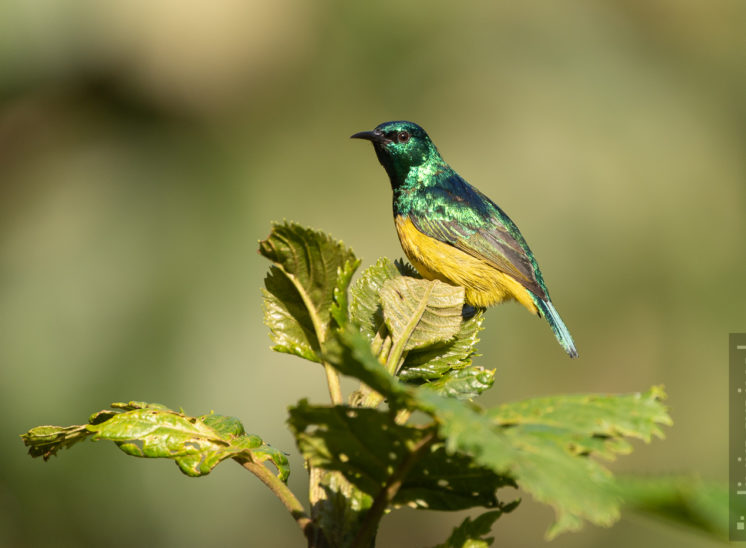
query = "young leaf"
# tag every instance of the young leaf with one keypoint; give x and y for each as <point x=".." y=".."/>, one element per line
<point x="550" y="458"/>
<point x="339" y="509"/>
<point x="365" y="300"/>
<point x="470" y="534"/>
<point x="339" y="308"/>
<point x="45" y="441"/>
<point x="427" y="363"/>
<point x="463" y="384"/>
<point x="367" y="447"/>
<point x="309" y="269"/>
<point x="421" y="312"/>
<point x="196" y="444"/>
<point x="435" y="360"/>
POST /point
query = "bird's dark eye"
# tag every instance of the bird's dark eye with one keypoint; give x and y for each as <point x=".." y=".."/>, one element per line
<point x="403" y="136"/>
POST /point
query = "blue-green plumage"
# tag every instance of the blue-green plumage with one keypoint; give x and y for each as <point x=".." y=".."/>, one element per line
<point x="451" y="231"/>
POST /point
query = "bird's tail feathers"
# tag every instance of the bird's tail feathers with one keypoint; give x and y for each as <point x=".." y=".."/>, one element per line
<point x="547" y="310"/>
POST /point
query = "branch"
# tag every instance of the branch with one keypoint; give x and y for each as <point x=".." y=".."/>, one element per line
<point x="389" y="491"/>
<point x="282" y="492"/>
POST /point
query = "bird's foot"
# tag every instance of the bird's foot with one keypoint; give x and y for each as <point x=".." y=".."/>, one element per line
<point x="468" y="311"/>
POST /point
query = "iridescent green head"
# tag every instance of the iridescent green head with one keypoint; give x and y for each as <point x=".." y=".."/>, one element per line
<point x="401" y="146"/>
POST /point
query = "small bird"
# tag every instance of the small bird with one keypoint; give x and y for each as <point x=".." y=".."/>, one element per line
<point x="452" y="232"/>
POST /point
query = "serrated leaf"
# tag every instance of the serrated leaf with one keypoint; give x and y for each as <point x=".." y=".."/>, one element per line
<point x="340" y="305"/>
<point x="430" y="362"/>
<point x="129" y="406"/>
<point x="340" y="508"/>
<point x="602" y="417"/>
<point x="544" y="457"/>
<point x="470" y="534"/>
<point x="435" y="360"/>
<point x="463" y="384"/>
<point x="421" y="312"/>
<point x="286" y="315"/>
<point x="301" y="286"/>
<point x="196" y="444"/>
<point x="367" y="447"/>
<point x="230" y="428"/>
<point x="365" y="300"/>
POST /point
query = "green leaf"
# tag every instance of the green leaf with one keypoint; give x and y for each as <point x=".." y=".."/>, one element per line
<point x="45" y="441"/>
<point x="230" y="428"/>
<point x="430" y="362"/>
<point x="549" y="457"/>
<point x="463" y="384"/>
<point x="604" y="416"/>
<point x="684" y="500"/>
<point x="196" y="444"/>
<point x="129" y="406"/>
<point x="365" y="300"/>
<point x="471" y="532"/>
<point x="339" y="308"/>
<point x="286" y="315"/>
<point x="350" y="354"/>
<point x="301" y="287"/>
<point x="419" y="312"/>
<point x="435" y="360"/>
<point x="367" y="447"/>
<point x="340" y="508"/>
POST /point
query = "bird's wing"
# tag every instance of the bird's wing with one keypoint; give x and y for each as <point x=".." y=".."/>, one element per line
<point x="460" y="215"/>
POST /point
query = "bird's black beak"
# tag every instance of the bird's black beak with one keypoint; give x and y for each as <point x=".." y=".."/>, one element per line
<point x="376" y="137"/>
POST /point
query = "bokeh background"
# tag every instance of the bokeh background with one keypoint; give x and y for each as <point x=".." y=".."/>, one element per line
<point x="145" y="147"/>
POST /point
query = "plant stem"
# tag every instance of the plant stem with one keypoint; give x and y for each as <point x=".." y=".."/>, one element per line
<point x="282" y="492"/>
<point x="388" y="492"/>
<point x="332" y="381"/>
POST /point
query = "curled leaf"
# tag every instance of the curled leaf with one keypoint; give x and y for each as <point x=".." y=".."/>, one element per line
<point x="196" y="444"/>
<point x="309" y="269"/>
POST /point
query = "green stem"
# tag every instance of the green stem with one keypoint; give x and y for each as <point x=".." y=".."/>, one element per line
<point x="368" y="529"/>
<point x="282" y="492"/>
<point x="332" y="381"/>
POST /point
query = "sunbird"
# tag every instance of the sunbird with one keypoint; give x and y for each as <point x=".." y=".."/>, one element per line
<point x="452" y="232"/>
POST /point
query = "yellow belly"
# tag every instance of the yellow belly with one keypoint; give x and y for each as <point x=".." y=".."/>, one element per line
<point x="434" y="260"/>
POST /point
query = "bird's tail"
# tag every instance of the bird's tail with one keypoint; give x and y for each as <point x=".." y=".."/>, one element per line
<point x="546" y="309"/>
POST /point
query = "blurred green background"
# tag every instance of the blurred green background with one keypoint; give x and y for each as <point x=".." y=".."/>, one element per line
<point x="145" y="147"/>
